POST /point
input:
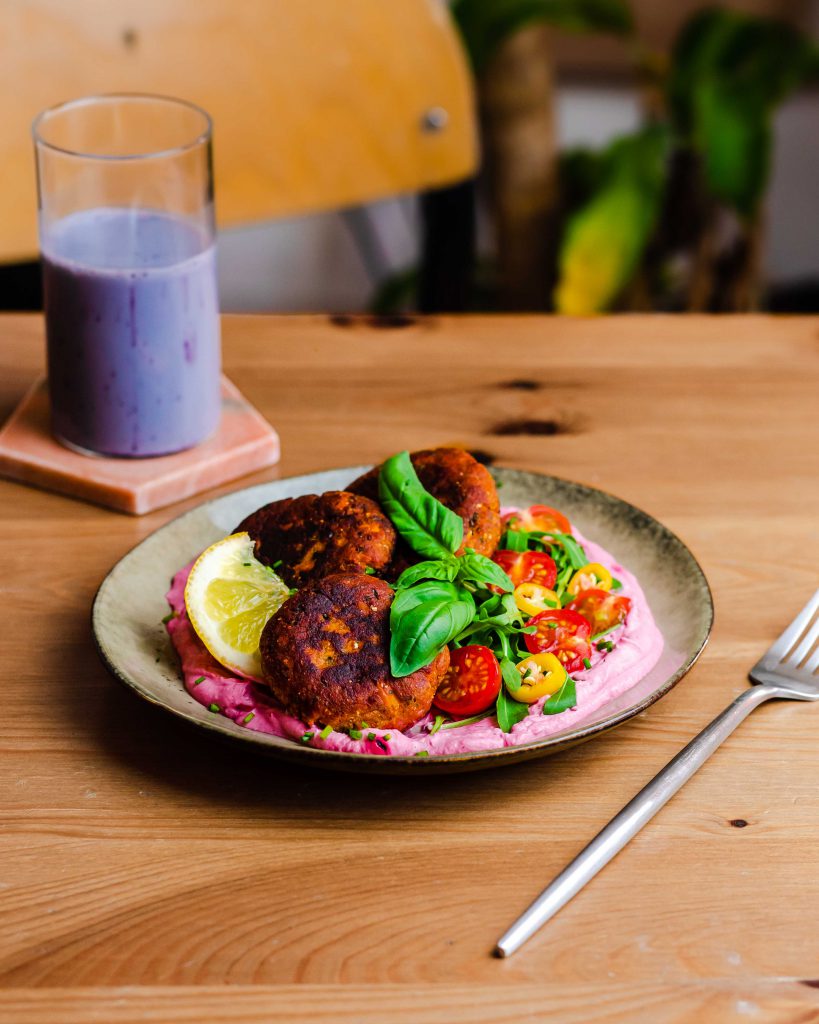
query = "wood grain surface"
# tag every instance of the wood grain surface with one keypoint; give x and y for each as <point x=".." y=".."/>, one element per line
<point x="148" y="873"/>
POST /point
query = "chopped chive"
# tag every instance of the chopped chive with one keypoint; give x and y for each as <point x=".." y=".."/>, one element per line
<point x="469" y="721"/>
<point x="616" y="584"/>
<point x="355" y="734"/>
<point x="168" y="617"/>
<point x="364" y="725"/>
<point x="368" y="569"/>
<point x="201" y="679"/>
<point x="247" y="563"/>
<point x="605" y="645"/>
<point x="214" y="707"/>
<point x="422" y="753"/>
<point x="387" y="736"/>
<point x="276" y="564"/>
<point x="605" y="632"/>
<point x="325" y="732"/>
<point x="587" y="663"/>
<point x="307" y="737"/>
<point x="439" y="721"/>
<point x="248" y="717"/>
<point x="371" y="736"/>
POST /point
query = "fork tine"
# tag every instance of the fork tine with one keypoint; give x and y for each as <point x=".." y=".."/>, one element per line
<point x="804" y="649"/>
<point x="812" y="663"/>
<point x="780" y="647"/>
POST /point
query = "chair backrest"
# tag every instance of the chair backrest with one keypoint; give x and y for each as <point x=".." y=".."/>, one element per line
<point x="316" y="103"/>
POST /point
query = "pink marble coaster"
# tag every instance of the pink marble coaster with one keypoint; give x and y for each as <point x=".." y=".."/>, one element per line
<point x="28" y="453"/>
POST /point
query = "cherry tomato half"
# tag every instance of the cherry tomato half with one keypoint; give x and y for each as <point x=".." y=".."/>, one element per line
<point x="538" y="517"/>
<point x="563" y="633"/>
<point x="472" y="681"/>
<point x="527" y="567"/>
<point x="602" y="609"/>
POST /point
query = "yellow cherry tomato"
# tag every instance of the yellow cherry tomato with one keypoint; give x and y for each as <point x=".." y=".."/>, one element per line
<point x="533" y="599"/>
<point x="542" y="674"/>
<point x="591" y="577"/>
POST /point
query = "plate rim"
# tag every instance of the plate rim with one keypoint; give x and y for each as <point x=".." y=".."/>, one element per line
<point x="286" y="749"/>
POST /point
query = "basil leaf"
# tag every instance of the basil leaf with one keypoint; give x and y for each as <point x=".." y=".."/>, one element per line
<point x="427" y="590"/>
<point x="430" y="528"/>
<point x="421" y="633"/>
<point x="508" y="711"/>
<point x="565" y="698"/>
<point x="437" y="569"/>
<point x="511" y="676"/>
<point x="480" y="569"/>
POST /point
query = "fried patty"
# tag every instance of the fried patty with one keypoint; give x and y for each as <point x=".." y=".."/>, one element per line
<point x="325" y="655"/>
<point x="318" y="534"/>
<point x="458" y="481"/>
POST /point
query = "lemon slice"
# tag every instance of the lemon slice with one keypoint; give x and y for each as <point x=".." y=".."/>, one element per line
<point x="229" y="597"/>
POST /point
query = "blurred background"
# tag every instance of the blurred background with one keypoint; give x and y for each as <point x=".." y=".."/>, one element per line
<point x="390" y="156"/>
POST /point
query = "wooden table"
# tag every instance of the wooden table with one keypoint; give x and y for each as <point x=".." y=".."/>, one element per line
<point x="148" y="873"/>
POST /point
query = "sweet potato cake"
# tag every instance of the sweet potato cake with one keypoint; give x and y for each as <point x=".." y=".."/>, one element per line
<point x="458" y="481"/>
<point x="318" y="534"/>
<point x="325" y="655"/>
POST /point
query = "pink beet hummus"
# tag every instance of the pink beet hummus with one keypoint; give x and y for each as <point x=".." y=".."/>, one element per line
<point x="637" y="648"/>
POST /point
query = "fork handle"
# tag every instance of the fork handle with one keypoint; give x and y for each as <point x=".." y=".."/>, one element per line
<point x="631" y="819"/>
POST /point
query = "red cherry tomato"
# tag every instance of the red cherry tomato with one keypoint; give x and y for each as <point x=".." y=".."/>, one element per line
<point x="602" y="609"/>
<point x="527" y="567"/>
<point x="563" y="633"/>
<point x="472" y="681"/>
<point x="538" y="517"/>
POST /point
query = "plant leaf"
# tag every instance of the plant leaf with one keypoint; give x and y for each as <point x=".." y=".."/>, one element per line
<point x="429" y="527"/>
<point x="479" y="569"/>
<point x="426" y="590"/>
<point x="436" y="569"/>
<point x="605" y="239"/>
<point x="511" y="676"/>
<point x="565" y="698"/>
<point x="509" y="711"/>
<point x="729" y="71"/>
<point x="484" y="24"/>
<point x="423" y="632"/>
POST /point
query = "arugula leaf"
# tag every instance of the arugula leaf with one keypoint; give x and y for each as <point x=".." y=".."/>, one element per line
<point x="480" y="569"/>
<point x="436" y="569"/>
<point x="511" y="676"/>
<point x="430" y="528"/>
<point x="565" y="698"/>
<point x="421" y="633"/>
<point x="509" y="711"/>
<point x="575" y="555"/>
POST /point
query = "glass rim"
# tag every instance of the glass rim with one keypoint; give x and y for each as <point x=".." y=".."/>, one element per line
<point x="100" y="98"/>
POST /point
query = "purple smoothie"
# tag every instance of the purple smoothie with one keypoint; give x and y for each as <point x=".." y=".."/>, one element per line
<point x="133" y="331"/>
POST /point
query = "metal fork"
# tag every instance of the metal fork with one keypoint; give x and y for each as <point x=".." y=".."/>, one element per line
<point x="786" y="670"/>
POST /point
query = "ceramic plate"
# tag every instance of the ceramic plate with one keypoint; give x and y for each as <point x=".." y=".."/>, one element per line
<point x="130" y="604"/>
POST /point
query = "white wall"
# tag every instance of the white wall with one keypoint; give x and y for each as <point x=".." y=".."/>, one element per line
<point x="313" y="263"/>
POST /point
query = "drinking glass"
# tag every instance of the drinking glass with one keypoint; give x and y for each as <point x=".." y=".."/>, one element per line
<point x="127" y="240"/>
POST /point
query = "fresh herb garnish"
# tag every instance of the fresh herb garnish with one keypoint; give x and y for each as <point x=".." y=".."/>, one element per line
<point x="248" y="717"/>
<point x="565" y="698"/>
<point x="605" y="632"/>
<point x="509" y="711"/>
<point x="368" y="569"/>
<point x="168" y="617"/>
<point x="371" y="736"/>
<point x="355" y="734"/>
<point x="467" y="721"/>
<point x="429" y="527"/>
<point x="616" y="584"/>
<point x="325" y="732"/>
<point x="422" y="753"/>
<point x="307" y="737"/>
<point x="439" y="721"/>
<point x="586" y="663"/>
<point x="201" y="679"/>
<point x="214" y="707"/>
